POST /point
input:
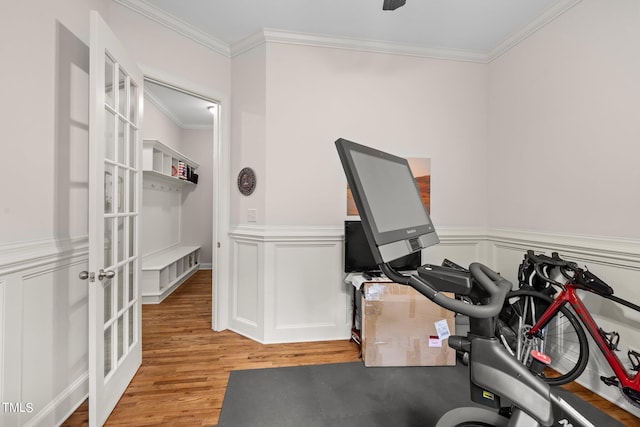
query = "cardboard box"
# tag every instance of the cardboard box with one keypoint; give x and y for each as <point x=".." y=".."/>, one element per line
<point x="398" y="328"/>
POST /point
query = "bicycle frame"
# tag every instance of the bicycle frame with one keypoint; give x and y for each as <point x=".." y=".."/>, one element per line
<point x="569" y="295"/>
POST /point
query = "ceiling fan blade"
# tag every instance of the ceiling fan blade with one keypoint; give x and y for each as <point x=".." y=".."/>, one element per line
<point x="392" y="4"/>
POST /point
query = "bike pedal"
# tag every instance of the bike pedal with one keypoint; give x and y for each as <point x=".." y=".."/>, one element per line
<point x="634" y="358"/>
<point x="612" y="339"/>
<point x="609" y="381"/>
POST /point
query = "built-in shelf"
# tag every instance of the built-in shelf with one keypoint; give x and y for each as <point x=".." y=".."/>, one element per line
<point x="163" y="163"/>
<point x="164" y="271"/>
<point x="167" y="268"/>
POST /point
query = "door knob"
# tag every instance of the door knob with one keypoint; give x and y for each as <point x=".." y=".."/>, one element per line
<point x="109" y="274"/>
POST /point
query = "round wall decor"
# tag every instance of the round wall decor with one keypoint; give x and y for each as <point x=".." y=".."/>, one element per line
<point x="246" y="181"/>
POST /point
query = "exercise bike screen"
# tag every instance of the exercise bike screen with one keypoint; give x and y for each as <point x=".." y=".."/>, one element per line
<point x="390" y="192"/>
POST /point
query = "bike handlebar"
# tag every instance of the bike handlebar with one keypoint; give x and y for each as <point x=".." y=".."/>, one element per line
<point x="541" y="260"/>
<point x="495" y="285"/>
<point x="580" y="277"/>
<point x="553" y="260"/>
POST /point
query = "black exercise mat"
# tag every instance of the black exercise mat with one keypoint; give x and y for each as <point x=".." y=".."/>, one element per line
<point x="349" y="394"/>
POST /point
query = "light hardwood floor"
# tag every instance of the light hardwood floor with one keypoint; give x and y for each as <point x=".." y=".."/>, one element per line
<point x="185" y="365"/>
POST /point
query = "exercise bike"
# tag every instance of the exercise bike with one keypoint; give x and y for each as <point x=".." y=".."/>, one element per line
<point x="396" y="224"/>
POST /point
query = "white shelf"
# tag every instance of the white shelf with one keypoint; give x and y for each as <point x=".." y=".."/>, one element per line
<point x="162" y="178"/>
<point x="164" y="271"/>
<point x="162" y="162"/>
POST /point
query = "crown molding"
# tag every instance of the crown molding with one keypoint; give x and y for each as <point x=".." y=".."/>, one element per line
<point x="317" y="40"/>
<point x="532" y="27"/>
<point x="149" y="96"/>
<point x="162" y="107"/>
<point x="171" y="22"/>
<point x="363" y="45"/>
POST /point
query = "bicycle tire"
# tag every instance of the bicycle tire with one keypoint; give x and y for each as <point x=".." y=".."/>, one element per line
<point x="563" y="338"/>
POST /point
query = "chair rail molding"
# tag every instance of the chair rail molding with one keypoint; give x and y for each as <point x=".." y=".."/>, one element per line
<point x="25" y="255"/>
<point x="613" y="251"/>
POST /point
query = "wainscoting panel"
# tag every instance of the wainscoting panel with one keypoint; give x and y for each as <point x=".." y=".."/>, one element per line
<point x="308" y="301"/>
<point x="302" y="279"/>
<point x="247" y="294"/>
<point x="298" y="283"/>
<point x="44" y="352"/>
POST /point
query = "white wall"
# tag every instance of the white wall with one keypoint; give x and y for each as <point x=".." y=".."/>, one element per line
<point x="160" y="127"/>
<point x="45" y="124"/>
<point x="161" y="204"/>
<point x="412" y="107"/>
<point x="564" y="125"/>
<point x="291" y="102"/>
<point x="197" y="200"/>
<point x="248" y="145"/>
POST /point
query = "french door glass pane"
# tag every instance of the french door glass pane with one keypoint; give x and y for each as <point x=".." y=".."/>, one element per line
<point x="132" y="192"/>
<point x="131" y="324"/>
<point x="109" y="135"/>
<point x="133" y="103"/>
<point x="108" y="80"/>
<point x="132" y="147"/>
<point x="121" y="240"/>
<point x="108" y="242"/>
<point x="132" y="270"/>
<point x="132" y="235"/>
<point x="107" y="351"/>
<point x="122" y="131"/>
<point x="121" y="194"/>
<point x="122" y="87"/>
<point x="108" y="298"/>
<point x="121" y="338"/>
<point x="121" y="294"/>
<point x="109" y="189"/>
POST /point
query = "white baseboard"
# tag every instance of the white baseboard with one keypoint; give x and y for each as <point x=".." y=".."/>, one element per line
<point x="70" y="399"/>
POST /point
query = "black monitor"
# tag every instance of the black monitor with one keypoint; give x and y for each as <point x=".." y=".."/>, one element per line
<point x="359" y="259"/>
<point x="395" y="220"/>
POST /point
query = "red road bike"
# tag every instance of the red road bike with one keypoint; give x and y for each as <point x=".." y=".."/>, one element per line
<point x="543" y="315"/>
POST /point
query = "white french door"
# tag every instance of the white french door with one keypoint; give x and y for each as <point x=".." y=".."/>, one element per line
<point x="116" y="96"/>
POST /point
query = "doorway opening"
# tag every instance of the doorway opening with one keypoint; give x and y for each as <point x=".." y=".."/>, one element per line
<point x="189" y="123"/>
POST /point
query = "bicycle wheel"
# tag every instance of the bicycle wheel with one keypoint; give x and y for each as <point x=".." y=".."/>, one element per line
<point x="562" y="338"/>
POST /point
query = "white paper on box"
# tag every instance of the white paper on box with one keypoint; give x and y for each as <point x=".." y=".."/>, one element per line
<point x="435" y="342"/>
<point x="442" y="329"/>
<point x="375" y="292"/>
